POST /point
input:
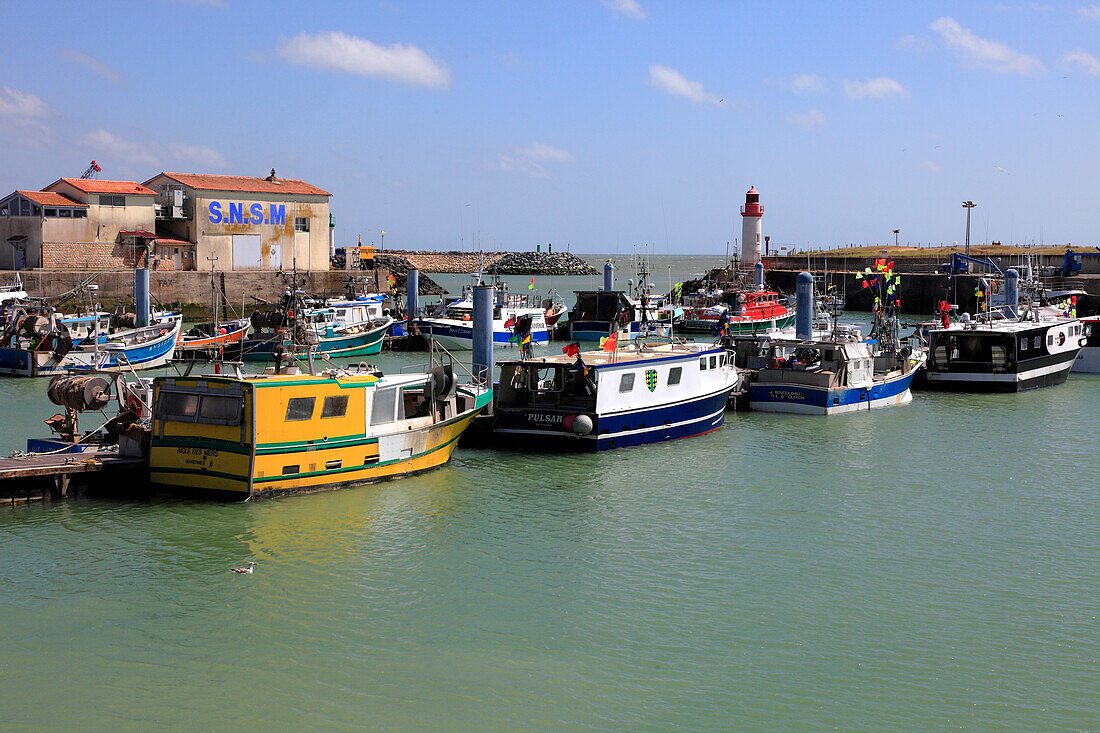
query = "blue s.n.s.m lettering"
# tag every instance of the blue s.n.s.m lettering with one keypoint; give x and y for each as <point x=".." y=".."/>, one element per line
<point x="257" y="211"/>
<point x="278" y="214"/>
<point x="215" y="212"/>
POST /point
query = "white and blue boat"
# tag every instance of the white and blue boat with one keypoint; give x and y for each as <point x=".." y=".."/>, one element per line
<point x="452" y="324"/>
<point x="148" y="347"/>
<point x="831" y="376"/>
<point x="596" y="400"/>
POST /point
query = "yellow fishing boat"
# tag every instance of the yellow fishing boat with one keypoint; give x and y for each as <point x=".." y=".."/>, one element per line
<point x="268" y="434"/>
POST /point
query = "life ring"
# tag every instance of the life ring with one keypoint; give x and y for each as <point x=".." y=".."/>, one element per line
<point x="466" y="316"/>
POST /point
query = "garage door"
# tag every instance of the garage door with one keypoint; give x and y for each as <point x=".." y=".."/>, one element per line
<point x="246" y="252"/>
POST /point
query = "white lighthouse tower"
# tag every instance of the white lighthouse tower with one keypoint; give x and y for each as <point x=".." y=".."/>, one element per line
<point x="752" y="228"/>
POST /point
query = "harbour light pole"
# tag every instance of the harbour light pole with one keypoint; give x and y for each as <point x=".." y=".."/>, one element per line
<point x="896" y="231"/>
<point x="382" y="234"/>
<point x="968" y="205"/>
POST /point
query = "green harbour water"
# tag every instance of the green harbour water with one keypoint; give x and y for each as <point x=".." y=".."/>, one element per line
<point x="927" y="567"/>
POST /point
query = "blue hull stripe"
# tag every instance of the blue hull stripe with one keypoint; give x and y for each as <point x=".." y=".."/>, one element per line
<point x="774" y="395"/>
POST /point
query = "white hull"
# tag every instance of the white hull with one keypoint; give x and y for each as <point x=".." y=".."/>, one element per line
<point x="1088" y="360"/>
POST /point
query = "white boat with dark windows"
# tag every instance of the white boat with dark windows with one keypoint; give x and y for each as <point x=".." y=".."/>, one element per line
<point x="1006" y="349"/>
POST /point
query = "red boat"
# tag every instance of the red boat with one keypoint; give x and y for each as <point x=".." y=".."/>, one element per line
<point x="202" y="336"/>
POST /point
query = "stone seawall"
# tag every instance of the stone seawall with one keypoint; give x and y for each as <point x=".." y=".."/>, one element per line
<point x="193" y="288"/>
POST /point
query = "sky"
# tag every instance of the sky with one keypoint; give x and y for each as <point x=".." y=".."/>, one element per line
<point x="601" y="125"/>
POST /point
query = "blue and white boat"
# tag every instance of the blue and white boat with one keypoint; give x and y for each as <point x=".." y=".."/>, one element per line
<point x="596" y="400"/>
<point x="452" y="324"/>
<point x="832" y="375"/>
<point x="148" y="347"/>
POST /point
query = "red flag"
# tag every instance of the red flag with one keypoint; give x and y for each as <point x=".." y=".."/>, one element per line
<point x="510" y="323"/>
<point x="571" y="349"/>
<point x="608" y="344"/>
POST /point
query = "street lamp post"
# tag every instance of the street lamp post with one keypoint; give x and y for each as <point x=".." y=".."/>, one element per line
<point x="382" y="245"/>
<point x="968" y="205"/>
<point x="896" y="231"/>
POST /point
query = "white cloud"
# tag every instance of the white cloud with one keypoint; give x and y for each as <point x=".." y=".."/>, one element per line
<point x="629" y="8"/>
<point x="91" y="62"/>
<point x="930" y="166"/>
<point x="200" y="155"/>
<point x="809" y="120"/>
<point x="532" y="160"/>
<point x="983" y="52"/>
<point x="335" y="51"/>
<point x="878" y="88"/>
<point x="1088" y="63"/>
<point x="806" y="83"/>
<point x="1092" y="12"/>
<point x="104" y="144"/>
<point x="673" y="82"/>
<point x="22" y="105"/>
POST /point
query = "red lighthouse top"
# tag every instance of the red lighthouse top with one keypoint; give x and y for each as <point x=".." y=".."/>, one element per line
<point x="752" y="205"/>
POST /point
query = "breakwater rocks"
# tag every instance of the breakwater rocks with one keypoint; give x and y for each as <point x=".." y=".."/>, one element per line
<point x="542" y="263"/>
<point x="504" y="263"/>
<point x="399" y="266"/>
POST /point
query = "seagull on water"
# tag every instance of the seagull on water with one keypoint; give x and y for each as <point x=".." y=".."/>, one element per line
<point x="251" y="565"/>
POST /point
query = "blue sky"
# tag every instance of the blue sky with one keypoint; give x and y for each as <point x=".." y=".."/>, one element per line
<point x="603" y="124"/>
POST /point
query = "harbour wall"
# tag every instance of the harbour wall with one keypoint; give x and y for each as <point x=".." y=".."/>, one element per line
<point x="921" y="292"/>
<point x="193" y="288"/>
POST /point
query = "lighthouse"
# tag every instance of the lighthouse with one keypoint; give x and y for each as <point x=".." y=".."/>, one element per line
<point x="752" y="228"/>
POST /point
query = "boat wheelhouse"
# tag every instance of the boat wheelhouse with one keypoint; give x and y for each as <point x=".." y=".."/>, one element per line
<point x="598" y="314"/>
<point x="599" y="400"/>
<point x="269" y="434"/>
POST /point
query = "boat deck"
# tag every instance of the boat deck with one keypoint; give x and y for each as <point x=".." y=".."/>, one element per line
<point x="632" y="352"/>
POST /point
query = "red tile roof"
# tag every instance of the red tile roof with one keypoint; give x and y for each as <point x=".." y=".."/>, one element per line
<point x="172" y="240"/>
<point x="92" y="185"/>
<point x="51" y="198"/>
<point x="250" y="184"/>
<point x="141" y="233"/>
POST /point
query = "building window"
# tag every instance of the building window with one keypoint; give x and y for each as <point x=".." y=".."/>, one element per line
<point x="299" y="408"/>
<point x="301" y="224"/>
<point x="674" y="375"/>
<point x="50" y="212"/>
<point x="80" y="214"/>
<point x="112" y="200"/>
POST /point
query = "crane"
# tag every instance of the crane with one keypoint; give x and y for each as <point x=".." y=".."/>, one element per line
<point x="91" y="171"/>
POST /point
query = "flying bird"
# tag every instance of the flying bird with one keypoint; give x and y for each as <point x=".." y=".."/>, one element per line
<point x="1002" y="170"/>
<point x="248" y="570"/>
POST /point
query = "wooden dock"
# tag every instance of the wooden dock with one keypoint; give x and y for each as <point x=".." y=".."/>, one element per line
<point x="58" y="475"/>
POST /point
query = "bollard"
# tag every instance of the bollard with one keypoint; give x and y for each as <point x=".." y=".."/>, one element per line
<point x="1012" y="292"/>
<point x="412" y="287"/>
<point x="141" y="296"/>
<point x="804" y="307"/>
<point x="483" y="333"/>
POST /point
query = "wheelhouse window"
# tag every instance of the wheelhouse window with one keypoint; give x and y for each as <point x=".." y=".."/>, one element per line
<point x="206" y="409"/>
<point x="674" y="375"/>
<point x="180" y="407"/>
<point x="703" y="364"/>
<point x="384" y="408"/>
<point x="714" y="362"/>
<point x="626" y="382"/>
<point x="336" y="406"/>
<point x="300" y="408"/>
